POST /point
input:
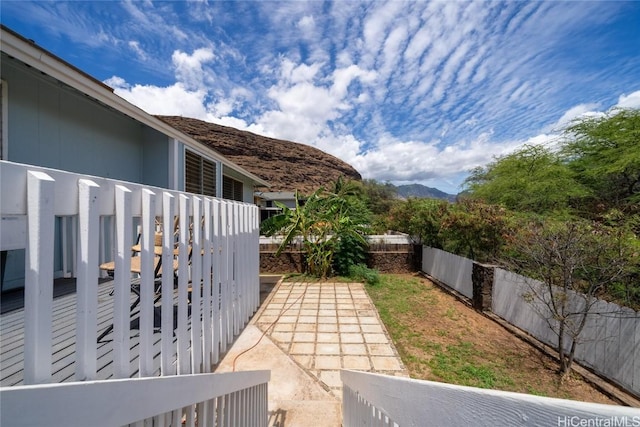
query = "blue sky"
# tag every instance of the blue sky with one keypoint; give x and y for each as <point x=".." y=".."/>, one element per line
<point x="405" y="91"/>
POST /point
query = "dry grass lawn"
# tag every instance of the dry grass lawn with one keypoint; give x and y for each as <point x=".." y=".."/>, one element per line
<point x="440" y="338"/>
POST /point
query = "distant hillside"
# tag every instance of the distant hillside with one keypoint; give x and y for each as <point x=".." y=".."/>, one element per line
<point x="286" y="165"/>
<point x="422" y="191"/>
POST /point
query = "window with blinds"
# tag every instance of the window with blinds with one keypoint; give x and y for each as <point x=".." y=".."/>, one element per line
<point x="231" y="189"/>
<point x="200" y="174"/>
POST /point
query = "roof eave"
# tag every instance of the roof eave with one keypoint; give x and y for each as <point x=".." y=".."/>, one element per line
<point x="31" y="54"/>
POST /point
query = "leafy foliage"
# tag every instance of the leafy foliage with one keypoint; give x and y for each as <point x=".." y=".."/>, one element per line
<point x="593" y="177"/>
<point x="421" y="219"/>
<point x="321" y="221"/>
<point x="379" y="197"/>
<point x="349" y="251"/>
<point x="475" y="229"/>
<point x="470" y="227"/>
<point x="533" y="179"/>
<point x="362" y="273"/>
<point x="604" y="152"/>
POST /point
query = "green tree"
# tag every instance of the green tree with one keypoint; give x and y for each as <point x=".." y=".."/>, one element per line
<point x="379" y="197"/>
<point x="475" y="229"/>
<point x="421" y="219"/>
<point x="469" y="227"/>
<point x="604" y="153"/>
<point x="532" y="179"/>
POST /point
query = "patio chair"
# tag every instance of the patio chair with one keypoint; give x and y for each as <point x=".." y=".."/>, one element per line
<point x="109" y="267"/>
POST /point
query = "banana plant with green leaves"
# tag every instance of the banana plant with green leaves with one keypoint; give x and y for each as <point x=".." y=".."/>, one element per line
<point x="319" y="221"/>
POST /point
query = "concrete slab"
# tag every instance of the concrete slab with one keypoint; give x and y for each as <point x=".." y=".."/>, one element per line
<point x="305" y="334"/>
<point x="295" y="397"/>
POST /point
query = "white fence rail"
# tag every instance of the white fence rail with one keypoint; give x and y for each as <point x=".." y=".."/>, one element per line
<point x="218" y="266"/>
<point x="161" y="400"/>
<point x="448" y="268"/>
<point x="380" y="400"/>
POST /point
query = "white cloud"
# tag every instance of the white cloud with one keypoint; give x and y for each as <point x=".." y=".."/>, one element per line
<point x="171" y="100"/>
<point x="135" y="46"/>
<point x="189" y="68"/>
<point x="571" y="114"/>
<point x="629" y="101"/>
<point x="307" y="26"/>
<point x="402" y="91"/>
<point x="399" y="161"/>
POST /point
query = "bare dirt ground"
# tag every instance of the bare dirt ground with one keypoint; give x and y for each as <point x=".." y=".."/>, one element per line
<point x="442" y="339"/>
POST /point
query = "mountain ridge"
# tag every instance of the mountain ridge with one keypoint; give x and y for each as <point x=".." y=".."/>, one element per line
<point x="422" y="191"/>
<point x="286" y="165"/>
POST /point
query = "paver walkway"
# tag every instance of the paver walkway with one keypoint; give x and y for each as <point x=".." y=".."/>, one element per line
<point x="307" y="333"/>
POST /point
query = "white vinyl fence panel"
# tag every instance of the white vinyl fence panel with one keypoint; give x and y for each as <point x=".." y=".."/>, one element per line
<point x="609" y="342"/>
<point x="453" y="270"/>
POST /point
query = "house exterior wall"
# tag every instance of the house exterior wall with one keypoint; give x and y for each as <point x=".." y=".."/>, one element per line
<point x="156" y="162"/>
<point x="54" y="116"/>
<point x="53" y="125"/>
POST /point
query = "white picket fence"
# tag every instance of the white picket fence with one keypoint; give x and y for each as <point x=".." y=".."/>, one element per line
<point x="221" y="236"/>
<point x="381" y="400"/>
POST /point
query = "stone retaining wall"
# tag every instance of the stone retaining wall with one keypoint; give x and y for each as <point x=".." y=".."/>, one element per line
<point x="396" y="261"/>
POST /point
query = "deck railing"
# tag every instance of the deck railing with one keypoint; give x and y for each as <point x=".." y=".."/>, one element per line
<point x="231" y="399"/>
<point x="202" y="306"/>
<point x="381" y="400"/>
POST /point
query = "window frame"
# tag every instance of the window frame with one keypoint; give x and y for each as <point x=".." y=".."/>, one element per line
<point x="207" y="168"/>
<point x="237" y="189"/>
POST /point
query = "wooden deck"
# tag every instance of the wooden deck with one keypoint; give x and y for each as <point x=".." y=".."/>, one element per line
<point x="64" y="326"/>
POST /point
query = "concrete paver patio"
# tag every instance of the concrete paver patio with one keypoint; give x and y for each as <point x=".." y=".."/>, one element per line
<point x="307" y="333"/>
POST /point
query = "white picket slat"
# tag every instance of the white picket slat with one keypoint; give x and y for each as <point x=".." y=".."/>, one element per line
<point x="87" y="281"/>
<point x="98" y="218"/>
<point x="216" y="296"/>
<point x="166" y="354"/>
<point x="206" y="287"/>
<point x="147" y="282"/>
<point x="224" y="283"/>
<point x="110" y="403"/>
<point x="38" y="292"/>
<point x="122" y="282"/>
<point x="183" y="284"/>
<point x="196" y="280"/>
<point x="235" y="209"/>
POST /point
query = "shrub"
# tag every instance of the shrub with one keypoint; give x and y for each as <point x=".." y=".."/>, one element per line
<point x="349" y="251"/>
<point x="362" y="273"/>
